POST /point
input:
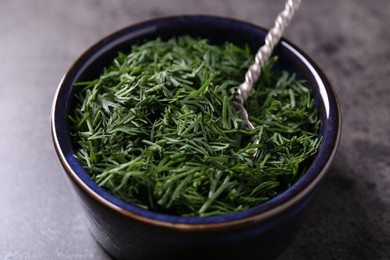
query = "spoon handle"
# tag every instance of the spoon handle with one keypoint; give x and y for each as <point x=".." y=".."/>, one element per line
<point x="265" y="51"/>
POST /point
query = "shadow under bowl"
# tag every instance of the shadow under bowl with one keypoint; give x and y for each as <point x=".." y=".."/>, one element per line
<point x="129" y="232"/>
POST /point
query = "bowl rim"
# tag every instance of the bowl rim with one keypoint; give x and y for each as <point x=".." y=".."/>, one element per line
<point x="259" y="213"/>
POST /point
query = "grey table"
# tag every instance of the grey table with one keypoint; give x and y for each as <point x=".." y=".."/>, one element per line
<point x="349" y="39"/>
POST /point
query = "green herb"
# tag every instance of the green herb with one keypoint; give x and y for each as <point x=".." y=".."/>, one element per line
<point x="159" y="130"/>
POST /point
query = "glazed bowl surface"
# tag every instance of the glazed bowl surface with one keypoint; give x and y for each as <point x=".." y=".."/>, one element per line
<point x="129" y="232"/>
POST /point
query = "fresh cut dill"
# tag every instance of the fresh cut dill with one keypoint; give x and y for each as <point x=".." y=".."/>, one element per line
<point x="158" y="129"/>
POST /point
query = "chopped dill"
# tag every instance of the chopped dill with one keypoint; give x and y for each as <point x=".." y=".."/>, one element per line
<point x="158" y="129"/>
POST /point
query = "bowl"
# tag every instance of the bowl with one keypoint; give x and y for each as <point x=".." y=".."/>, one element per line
<point x="126" y="231"/>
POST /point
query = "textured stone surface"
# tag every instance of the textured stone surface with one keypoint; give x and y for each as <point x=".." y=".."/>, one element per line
<point x="349" y="39"/>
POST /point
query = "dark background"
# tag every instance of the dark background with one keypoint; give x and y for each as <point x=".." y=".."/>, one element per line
<point x="349" y="39"/>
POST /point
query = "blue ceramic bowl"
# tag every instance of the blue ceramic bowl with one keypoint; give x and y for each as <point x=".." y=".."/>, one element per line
<point x="126" y="231"/>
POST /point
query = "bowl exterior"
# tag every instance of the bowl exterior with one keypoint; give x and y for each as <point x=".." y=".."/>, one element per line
<point x="127" y="238"/>
<point x="127" y="232"/>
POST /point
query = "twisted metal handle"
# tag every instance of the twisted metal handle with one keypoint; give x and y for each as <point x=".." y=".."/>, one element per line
<point x="265" y="51"/>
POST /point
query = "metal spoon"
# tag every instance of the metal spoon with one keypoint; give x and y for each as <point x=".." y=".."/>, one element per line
<point x="262" y="56"/>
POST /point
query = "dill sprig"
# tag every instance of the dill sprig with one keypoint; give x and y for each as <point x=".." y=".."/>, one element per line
<point x="158" y="129"/>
